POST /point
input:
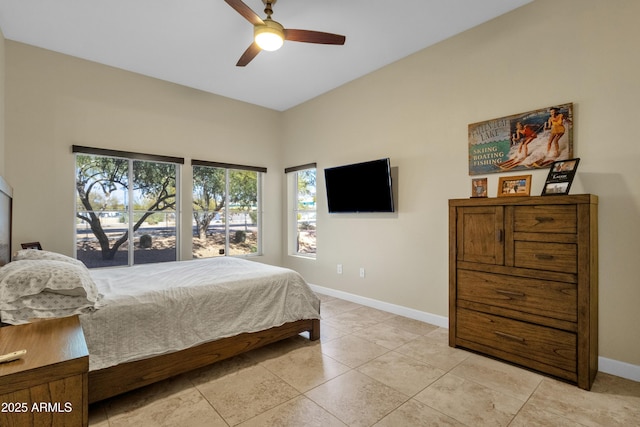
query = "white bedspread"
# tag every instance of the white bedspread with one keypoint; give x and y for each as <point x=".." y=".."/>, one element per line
<point x="159" y="308"/>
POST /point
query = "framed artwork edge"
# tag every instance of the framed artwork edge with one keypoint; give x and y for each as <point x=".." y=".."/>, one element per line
<point x="511" y="186"/>
<point x="31" y="245"/>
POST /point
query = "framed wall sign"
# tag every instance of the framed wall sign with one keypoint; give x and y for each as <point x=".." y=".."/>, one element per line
<point x="524" y="141"/>
<point x="514" y="186"/>
<point x="560" y="177"/>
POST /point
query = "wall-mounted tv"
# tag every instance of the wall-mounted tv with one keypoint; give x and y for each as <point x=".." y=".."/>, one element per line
<point x="360" y="187"/>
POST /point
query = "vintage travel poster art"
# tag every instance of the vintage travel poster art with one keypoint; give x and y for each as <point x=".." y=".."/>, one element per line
<point x="531" y="140"/>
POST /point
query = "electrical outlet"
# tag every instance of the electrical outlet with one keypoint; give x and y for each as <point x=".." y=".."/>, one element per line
<point x="362" y="272"/>
<point x="339" y="269"/>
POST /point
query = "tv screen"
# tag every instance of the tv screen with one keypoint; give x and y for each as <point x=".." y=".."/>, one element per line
<point x="360" y="187"/>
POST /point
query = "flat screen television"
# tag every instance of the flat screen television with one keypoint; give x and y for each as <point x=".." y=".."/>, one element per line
<point x="360" y="187"/>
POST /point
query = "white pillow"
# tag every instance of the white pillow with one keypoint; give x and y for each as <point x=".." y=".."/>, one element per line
<point x="30" y="277"/>
<point x="35" y="254"/>
<point x="45" y="288"/>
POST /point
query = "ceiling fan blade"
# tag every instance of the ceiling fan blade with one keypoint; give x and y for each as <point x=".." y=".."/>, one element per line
<point x="248" y="54"/>
<point x="245" y="11"/>
<point x="319" y="37"/>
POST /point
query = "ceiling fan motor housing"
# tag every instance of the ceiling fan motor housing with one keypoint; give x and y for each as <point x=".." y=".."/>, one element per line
<point x="269" y="36"/>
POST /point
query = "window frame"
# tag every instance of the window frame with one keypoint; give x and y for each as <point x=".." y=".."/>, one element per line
<point x="132" y="157"/>
<point x="294" y="210"/>
<point x="228" y="167"/>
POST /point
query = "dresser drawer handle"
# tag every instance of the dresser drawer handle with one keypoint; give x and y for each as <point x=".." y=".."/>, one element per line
<point x="544" y="219"/>
<point x="510" y="293"/>
<point x="544" y="256"/>
<point x="509" y="336"/>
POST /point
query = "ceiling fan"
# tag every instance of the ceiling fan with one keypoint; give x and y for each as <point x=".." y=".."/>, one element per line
<point x="270" y="35"/>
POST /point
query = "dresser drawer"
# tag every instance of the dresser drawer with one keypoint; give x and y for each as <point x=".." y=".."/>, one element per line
<point x="544" y="345"/>
<point x="539" y="297"/>
<point x="545" y="219"/>
<point x="546" y="256"/>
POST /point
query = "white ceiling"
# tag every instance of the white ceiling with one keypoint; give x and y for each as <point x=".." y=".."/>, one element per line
<point x="197" y="43"/>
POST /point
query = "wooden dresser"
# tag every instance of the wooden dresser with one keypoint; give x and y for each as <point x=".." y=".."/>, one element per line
<point x="523" y="282"/>
<point x="48" y="385"/>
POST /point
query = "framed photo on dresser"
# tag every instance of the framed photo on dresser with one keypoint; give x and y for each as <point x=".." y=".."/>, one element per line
<point x="560" y="177"/>
<point x="509" y="186"/>
<point x="479" y="187"/>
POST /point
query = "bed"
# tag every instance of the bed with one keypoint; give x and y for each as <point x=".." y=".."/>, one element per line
<point x="150" y="322"/>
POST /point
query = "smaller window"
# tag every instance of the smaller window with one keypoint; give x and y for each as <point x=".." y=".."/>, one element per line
<point x="303" y="214"/>
<point x="226" y="209"/>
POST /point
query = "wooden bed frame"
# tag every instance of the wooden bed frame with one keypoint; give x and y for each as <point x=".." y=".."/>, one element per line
<point x="108" y="382"/>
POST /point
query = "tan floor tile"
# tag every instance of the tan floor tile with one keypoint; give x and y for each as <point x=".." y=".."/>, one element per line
<point x="297" y="412"/>
<point x="411" y="325"/>
<point x="222" y="368"/>
<point x="351" y="321"/>
<point x="402" y="373"/>
<point x="386" y="336"/>
<point x="244" y="394"/>
<point x="416" y="414"/>
<point x="330" y="332"/>
<point x="147" y="396"/>
<point x="590" y="408"/>
<point x="336" y="306"/>
<point x="616" y="386"/>
<point x="280" y="348"/>
<point x="440" y="334"/>
<point x="353" y="351"/>
<point x="498" y="376"/>
<point x="433" y="351"/>
<point x="305" y="368"/>
<point x="188" y="408"/>
<point x="374" y="313"/>
<point x="469" y="402"/>
<point x="534" y="415"/>
<point x="356" y="399"/>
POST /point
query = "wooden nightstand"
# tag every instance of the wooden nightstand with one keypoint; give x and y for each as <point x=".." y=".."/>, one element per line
<point x="49" y="385"/>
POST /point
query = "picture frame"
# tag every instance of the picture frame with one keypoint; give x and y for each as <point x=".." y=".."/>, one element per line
<point x="521" y="142"/>
<point x="31" y="245"/>
<point x="514" y="186"/>
<point x="479" y="187"/>
<point x="560" y="177"/>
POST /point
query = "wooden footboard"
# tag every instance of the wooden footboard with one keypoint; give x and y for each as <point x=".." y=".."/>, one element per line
<point x="108" y="382"/>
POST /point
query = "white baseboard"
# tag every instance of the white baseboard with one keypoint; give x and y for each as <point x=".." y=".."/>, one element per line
<point x="411" y="313"/>
<point x="619" y="369"/>
<point x="608" y="366"/>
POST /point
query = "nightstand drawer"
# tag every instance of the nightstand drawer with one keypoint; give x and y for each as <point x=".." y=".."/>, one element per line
<point x="546" y="256"/>
<point x="545" y="219"/>
<point x="557" y="300"/>
<point x="544" y="345"/>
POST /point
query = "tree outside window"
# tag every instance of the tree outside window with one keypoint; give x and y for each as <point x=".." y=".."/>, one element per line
<point x="226" y="211"/>
<point x="118" y="198"/>
<point x="304" y="212"/>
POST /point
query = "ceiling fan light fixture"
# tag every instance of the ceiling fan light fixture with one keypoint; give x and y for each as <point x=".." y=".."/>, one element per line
<point x="269" y="36"/>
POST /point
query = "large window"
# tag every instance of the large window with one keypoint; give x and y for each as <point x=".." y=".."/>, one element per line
<point x="121" y="194"/>
<point x="227" y="211"/>
<point x="302" y="181"/>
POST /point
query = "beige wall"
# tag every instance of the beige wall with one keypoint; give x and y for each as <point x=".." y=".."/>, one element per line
<point x="56" y="101"/>
<point x="416" y="112"/>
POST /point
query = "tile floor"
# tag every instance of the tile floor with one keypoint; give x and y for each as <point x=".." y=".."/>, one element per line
<point x="370" y="368"/>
